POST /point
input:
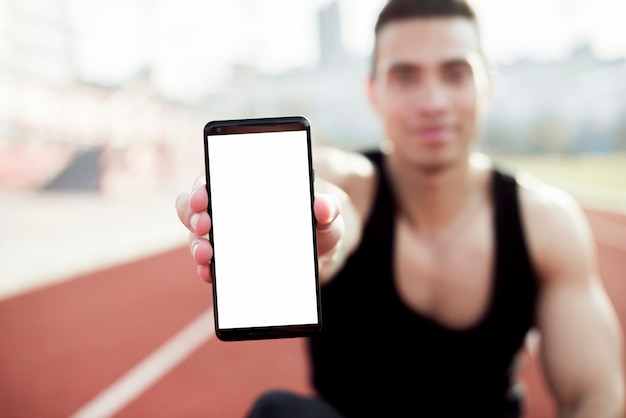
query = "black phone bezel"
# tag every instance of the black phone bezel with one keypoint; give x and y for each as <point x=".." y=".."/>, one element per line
<point x="260" y="125"/>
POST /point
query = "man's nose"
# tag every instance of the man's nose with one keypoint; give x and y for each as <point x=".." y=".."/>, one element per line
<point x="431" y="97"/>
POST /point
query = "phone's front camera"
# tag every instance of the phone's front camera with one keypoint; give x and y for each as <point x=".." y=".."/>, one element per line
<point x="219" y="129"/>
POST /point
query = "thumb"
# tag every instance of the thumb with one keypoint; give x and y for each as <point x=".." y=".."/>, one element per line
<point x="326" y="208"/>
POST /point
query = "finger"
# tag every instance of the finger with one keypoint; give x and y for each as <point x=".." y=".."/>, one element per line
<point x="200" y="220"/>
<point x="201" y="249"/>
<point x="330" y="223"/>
<point x="200" y="180"/>
<point x="329" y="236"/>
<point x="327" y="208"/>
<point x="191" y="210"/>
<point x="183" y="209"/>
<point x="199" y="198"/>
<point x="202" y="254"/>
<point x="200" y="223"/>
<point x="204" y="272"/>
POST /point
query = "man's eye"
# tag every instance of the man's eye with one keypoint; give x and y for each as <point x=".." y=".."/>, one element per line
<point x="457" y="75"/>
<point x="403" y="77"/>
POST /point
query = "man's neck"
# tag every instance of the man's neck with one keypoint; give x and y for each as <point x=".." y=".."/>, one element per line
<point x="434" y="199"/>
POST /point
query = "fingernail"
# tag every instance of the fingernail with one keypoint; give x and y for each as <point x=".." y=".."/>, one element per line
<point x="194" y="249"/>
<point x="193" y="221"/>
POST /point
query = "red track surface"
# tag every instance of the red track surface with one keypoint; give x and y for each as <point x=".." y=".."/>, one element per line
<point x="62" y="345"/>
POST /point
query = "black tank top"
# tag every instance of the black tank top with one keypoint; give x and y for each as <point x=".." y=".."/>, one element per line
<point x="377" y="357"/>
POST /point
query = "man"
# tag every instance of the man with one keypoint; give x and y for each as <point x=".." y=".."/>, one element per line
<point x="434" y="264"/>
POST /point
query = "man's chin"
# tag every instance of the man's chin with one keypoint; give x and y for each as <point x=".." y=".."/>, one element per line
<point x="433" y="168"/>
<point x="435" y="165"/>
<point x="428" y="160"/>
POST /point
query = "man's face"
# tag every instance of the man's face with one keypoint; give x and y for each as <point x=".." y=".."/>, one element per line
<point x="430" y="89"/>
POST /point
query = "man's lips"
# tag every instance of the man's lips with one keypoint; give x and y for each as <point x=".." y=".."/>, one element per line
<point x="434" y="134"/>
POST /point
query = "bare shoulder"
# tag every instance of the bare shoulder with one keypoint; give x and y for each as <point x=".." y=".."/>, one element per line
<point x="557" y="232"/>
<point x="543" y="199"/>
<point x="350" y="171"/>
<point x="341" y="167"/>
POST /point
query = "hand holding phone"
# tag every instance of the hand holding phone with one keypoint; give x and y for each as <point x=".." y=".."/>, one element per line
<point x="260" y="185"/>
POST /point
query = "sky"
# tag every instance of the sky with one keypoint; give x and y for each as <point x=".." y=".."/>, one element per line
<point x="191" y="43"/>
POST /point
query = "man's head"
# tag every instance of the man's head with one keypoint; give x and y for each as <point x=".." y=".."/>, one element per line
<point x="428" y="80"/>
<point x="398" y="10"/>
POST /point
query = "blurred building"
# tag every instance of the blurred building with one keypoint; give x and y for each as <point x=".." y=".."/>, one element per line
<point x="55" y="126"/>
<point x="35" y="41"/>
<point x="573" y="105"/>
<point x="332" y="50"/>
<point x="568" y="106"/>
<point x="331" y="93"/>
<point x="58" y="132"/>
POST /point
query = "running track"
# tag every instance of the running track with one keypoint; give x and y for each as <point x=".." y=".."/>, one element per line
<point x="135" y="340"/>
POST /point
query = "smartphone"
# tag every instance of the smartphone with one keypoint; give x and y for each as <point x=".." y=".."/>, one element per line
<point x="259" y="178"/>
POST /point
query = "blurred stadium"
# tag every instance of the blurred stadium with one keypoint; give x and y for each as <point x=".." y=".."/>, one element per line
<point x="77" y="98"/>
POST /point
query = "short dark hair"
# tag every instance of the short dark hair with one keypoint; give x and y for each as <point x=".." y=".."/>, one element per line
<point x="396" y="10"/>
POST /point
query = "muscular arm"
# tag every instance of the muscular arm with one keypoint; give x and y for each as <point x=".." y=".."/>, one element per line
<point x="349" y="178"/>
<point x="581" y="344"/>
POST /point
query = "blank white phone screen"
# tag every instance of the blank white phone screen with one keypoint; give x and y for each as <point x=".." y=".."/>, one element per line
<point x="262" y="229"/>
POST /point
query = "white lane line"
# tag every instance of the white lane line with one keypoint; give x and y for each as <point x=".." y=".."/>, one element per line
<point x="150" y="370"/>
<point x="609" y="233"/>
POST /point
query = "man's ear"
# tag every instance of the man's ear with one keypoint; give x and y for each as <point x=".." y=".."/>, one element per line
<point x="492" y="75"/>
<point x="484" y="77"/>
